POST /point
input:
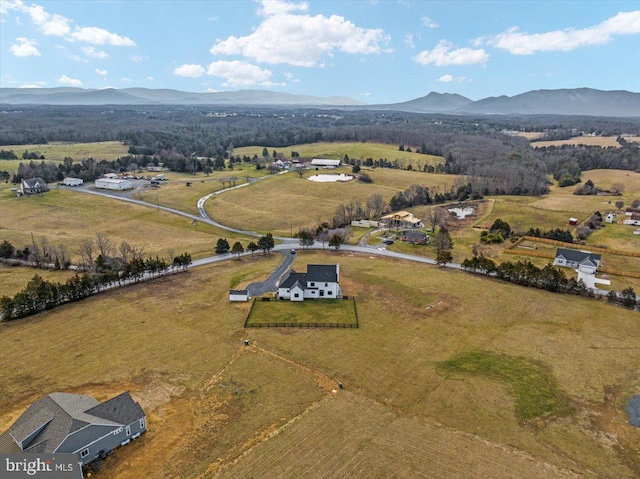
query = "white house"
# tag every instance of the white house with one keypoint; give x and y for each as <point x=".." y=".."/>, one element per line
<point x="113" y="184"/>
<point x="72" y="181"/>
<point x="320" y="281"/>
<point x="401" y="219"/>
<point x="610" y="218"/>
<point x="33" y="186"/>
<point x="583" y="261"/>
<point x="238" y="295"/>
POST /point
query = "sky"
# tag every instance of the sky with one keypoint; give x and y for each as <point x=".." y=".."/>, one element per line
<point x="374" y="51"/>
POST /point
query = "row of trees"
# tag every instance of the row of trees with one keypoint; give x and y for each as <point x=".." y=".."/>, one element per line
<point x="41" y="295"/>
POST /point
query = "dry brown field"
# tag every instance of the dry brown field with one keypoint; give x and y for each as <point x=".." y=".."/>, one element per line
<point x="603" y="141"/>
<point x="219" y="409"/>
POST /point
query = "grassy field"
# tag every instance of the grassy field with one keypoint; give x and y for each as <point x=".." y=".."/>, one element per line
<point x="69" y="217"/>
<point x="309" y="311"/>
<point x="13" y="279"/>
<point x="603" y="141"/>
<point x="536" y="392"/>
<point x="56" y="152"/>
<point x="215" y="406"/>
<point x="287" y="202"/>
<point x="353" y="150"/>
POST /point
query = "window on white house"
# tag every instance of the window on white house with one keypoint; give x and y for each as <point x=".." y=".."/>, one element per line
<point x="313" y="284"/>
<point x="84" y="452"/>
<point x="128" y="430"/>
<point x="329" y="293"/>
<point x="296" y="295"/>
<point x="326" y="284"/>
<point x="142" y="423"/>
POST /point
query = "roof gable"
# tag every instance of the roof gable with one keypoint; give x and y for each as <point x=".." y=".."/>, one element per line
<point x="121" y="409"/>
<point x="292" y="278"/>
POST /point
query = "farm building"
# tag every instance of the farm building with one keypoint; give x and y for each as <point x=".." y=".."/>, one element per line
<point x="400" y="219"/>
<point x="583" y="261"/>
<point x="320" y="281"/>
<point x="630" y="210"/>
<point x="72" y="181"/>
<point x="113" y="184"/>
<point x="573" y="221"/>
<point x="75" y="424"/>
<point x="414" y="237"/>
<point x="33" y="186"/>
<point x="610" y="218"/>
<point x="633" y="221"/>
<point x="238" y="295"/>
<point x="365" y="223"/>
<point x="112" y="176"/>
<point x="325" y="163"/>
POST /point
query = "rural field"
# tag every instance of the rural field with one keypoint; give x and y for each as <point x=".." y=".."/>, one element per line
<point x="361" y="151"/>
<point x="56" y="152"/>
<point x="602" y="141"/>
<point x="409" y="407"/>
<point x="69" y="217"/>
<point x="288" y="202"/>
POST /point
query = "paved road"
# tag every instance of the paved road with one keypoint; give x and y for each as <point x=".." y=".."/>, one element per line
<point x="270" y="285"/>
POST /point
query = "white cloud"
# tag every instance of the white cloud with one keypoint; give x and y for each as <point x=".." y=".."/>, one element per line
<point x="138" y="58"/>
<point x="520" y="43"/>
<point x="300" y="40"/>
<point x="212" y="19"/>
<point x="445" y="79"/>
<point x="57" y="25"/>
<point x="277" y="7"/>
<point x="92" y="52"/>
<point x="366" y="93"/>
<point x="189" y="70"/>
<point x="101" y="72"/>
<point x="240" y="73"/>
<point x="24" y="48"/>
<point x="100" y="36"/>
<point x="408" y="40"/>
<point x="36" y="84"/>
<point x="291" y="77"/>
<point x="79" y="59"/>
<point x="126" y="80"/>
<point x="443" y="55"/>
<point x="69" y="81"/>
<point x="211" y="90"/>
<point x="150" y="78"/>
<point x="427" y="22"/>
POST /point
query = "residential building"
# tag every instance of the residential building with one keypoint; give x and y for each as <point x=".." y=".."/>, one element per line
<point x="33" y="186"/>
<point x="583" y="261"/>
<point x="320" y="281"/>
<point x="401" y="219"/>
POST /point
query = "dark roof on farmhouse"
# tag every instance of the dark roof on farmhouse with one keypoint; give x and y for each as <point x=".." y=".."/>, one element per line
<point x="35" y="183"/>
<point x="577" y="256"/>
<point x="292" y="278"/>
<point x="48" y="421"/>
<point x="120" y="409"/>
<point x="238" y="291"/>
<point x="327" y="273"/>
<point x="414" y="234"/>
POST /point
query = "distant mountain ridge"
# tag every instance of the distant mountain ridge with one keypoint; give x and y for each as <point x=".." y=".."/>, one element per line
<point x="577" y="101"/>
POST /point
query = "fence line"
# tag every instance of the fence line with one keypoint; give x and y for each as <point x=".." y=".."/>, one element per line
<point x="355" y="325"/>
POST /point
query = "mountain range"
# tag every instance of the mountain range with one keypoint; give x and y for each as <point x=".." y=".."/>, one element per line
<point x="577" y="101"/>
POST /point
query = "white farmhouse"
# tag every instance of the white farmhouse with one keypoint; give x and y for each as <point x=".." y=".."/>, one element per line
<point x="320" y="281"/>
<point x="583" y="261"/>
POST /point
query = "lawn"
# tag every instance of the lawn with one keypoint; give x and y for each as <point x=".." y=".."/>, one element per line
<point x="287" y="203"/>
<point x="68" y="217"/>
<point x="321" y="311"/>
<point x="603" y="141"/>
<point x="353" y="150"/>
<point x="217" y="407"/>
<point x="15" y="278"/>
<point x="56" y="152"/>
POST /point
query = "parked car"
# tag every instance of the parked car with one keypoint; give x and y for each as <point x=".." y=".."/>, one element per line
<point x="293" y="251"/>
<point x="388" y="241"/>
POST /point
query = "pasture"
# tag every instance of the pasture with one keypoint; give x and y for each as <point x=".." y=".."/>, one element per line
<point x="67" y="217"/>
<point x="56" y="152"/>
<point x="287" y="203"/>
<point x="353" y="150"/>
<point x="322" y="311"/>
<point x="14" y="278"/>
<point x="216" y="407"/>
<point x="602" y="141"/>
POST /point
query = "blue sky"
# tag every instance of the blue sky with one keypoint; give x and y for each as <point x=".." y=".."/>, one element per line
<point x="373" y="51"/>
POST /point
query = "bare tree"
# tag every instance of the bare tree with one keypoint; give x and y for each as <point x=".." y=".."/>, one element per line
<point x="106" y="248"/>
<point x="617" y="188"/>
<point x="300" y="169"/>
<point x="435" y="217"/>
<point x="87" y="252"/>
<point x="62" y="256"/>
<point x="36" y="252"/>
<point x="376" y="206"/>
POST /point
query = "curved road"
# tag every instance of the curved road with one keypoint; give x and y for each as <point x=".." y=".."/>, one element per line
<point x="286" y="245"/>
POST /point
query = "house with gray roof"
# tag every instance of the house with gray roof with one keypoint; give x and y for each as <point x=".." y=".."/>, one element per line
<point x="583" y="261"/>
<point x="33" y="186"/>
<point x="320" y="281"/>
<point x="75" y="424"/>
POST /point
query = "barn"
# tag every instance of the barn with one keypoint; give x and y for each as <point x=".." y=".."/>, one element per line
<point x="113" y="184"/>
<point x="72" y="181"/>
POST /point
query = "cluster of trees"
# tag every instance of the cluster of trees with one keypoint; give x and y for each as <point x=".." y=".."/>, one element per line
<point x="444" y="244"/>
<point x="498" y="232"/>
<point x="555" y="234"/>
<point x="354" y="210"/>
<point x="589" y="188"/>
<point x="526" y="273"/>
<point x="41" y="295"/>
<point x="323" y="233"/>
<point x="626" y="298"/>
<point x="222" y="247"/>
<point x="589" y="226"/>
